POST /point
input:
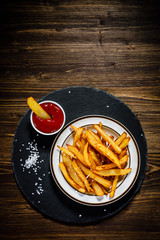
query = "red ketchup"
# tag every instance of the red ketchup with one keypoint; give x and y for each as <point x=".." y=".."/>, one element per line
<point x="49" y="125"/>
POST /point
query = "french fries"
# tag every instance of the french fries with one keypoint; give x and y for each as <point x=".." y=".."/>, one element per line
<point x="37" y="109"/>
<point x="95" y="136"/>
<point x="114" y="185"/>
<point x="112" y="172"/>
<point x="69" y="180"/>
<point x="94" y="162"/>
<point x="68" y="164"/>
<point x="66" y="151"/>
<point x="120" y="138"/>
<point x="106" y="183"/>
<point x="77" y="136"/>
<point x="86" y="156"/>
<point x="104" y="150"/>
<point x="97" y="188"/>
<point x="76" y="129"/>
<point x="112" y="165"/>
<point x="94" y="156"/>
<point x="124" y="143"/>
<point x="80" y="145"/>
<point x="123" y="153"/>
<point x="82" y="176"/>
<point x="108" y="153"/>
<point x="107" y="138"/>
<point x="77" y="153"/>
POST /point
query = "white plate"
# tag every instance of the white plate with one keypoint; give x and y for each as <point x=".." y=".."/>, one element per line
<point x="112" y="127"/>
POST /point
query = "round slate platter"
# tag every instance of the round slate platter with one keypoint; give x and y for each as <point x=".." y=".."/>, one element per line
<point x="36" y="182"/>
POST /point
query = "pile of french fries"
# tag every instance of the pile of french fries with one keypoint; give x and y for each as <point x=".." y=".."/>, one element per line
<point x="95" y="161"/>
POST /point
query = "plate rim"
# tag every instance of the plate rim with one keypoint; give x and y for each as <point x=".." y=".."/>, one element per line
<point x="113" y="200"/>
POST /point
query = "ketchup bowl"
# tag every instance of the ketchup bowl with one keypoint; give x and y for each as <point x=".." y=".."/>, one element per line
<point x="49" y="126"/>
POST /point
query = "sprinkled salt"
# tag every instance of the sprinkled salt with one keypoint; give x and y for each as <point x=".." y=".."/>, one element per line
<point x="32" y="163"/>
<point x="87" y="176"/>
<point x="80" y="215"/>
<point x="108" y="146"/>
<point x="107" y="106"/>
<point x="69" y="91"/>
<point x="38" y="192"/>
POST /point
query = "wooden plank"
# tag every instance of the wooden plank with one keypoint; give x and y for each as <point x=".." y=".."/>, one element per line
<point x="110" y="45"/>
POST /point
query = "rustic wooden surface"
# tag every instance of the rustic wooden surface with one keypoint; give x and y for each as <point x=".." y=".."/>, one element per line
<point x="110" y="45"/>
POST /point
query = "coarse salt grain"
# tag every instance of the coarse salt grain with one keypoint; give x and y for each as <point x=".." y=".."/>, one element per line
<point x="31" y="161"/>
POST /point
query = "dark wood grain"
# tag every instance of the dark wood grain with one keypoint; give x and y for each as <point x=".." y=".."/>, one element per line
<point x="111" y="45"/>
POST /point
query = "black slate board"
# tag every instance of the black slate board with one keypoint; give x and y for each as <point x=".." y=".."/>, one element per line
<point x="36" y="182"/>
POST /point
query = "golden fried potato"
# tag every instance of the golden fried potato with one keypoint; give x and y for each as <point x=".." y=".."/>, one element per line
<point x="112" y="165"/>
<point x="114" y="185"/>
<point x="112" y="172"/>
<point x="97" y="188"/>
<point x="124" y="143"/>
<point x="82" y="176"/>
<point x="108" y="153"/>
<point x="68" y="164"/>
<point x="106" y="183"/>
<point x="77" y="153"/>
<point x="120" y="138"/>
<point x="77" y="135"/>
<point x="69" y="180"/>
<point x="95" y="161"/>
<point x="37" y="109"/>
<point x="107" y="138"/>
<point x="66" y="151"/>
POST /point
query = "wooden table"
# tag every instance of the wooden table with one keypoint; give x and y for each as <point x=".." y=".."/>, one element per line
<point x="110" y="45"/>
